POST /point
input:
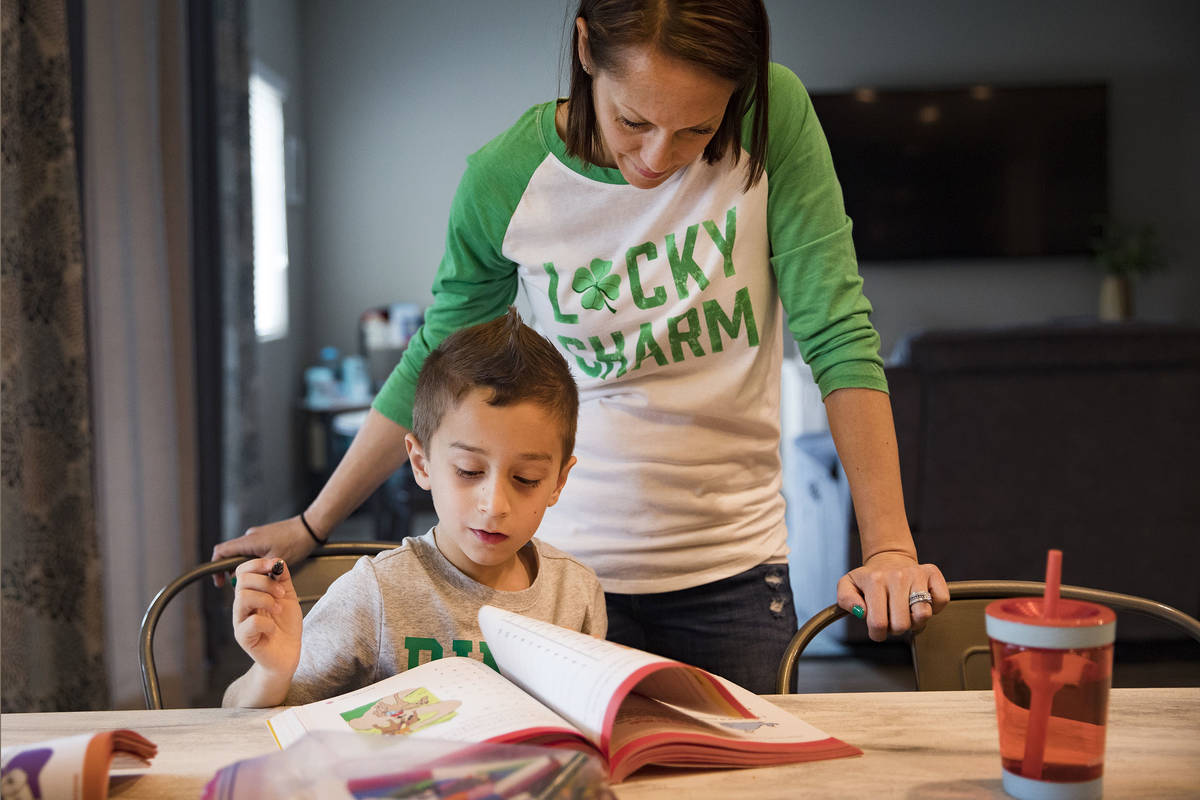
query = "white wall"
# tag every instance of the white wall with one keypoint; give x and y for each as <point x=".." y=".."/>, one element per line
<point x="399" y="93"/>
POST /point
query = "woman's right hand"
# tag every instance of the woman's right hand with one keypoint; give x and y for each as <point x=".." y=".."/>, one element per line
<point x="377" y="451"/>
<point x="286" y="539"/>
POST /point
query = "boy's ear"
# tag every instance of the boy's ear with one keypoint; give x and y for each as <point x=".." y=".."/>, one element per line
<point x="562" y="480"/>
<point x="416" y="457"/>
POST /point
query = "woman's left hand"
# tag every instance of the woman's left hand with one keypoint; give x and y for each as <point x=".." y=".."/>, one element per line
<point x="882" y="588"/>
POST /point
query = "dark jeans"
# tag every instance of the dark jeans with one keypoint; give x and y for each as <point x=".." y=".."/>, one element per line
<point x="737" y="627"/>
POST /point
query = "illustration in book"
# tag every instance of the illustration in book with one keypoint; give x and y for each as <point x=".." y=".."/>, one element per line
<point x="19" y="775"/>
<point x="399" y="714"/>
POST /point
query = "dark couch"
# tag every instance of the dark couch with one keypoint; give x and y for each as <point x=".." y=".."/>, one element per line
<point x="1081" y="437"/>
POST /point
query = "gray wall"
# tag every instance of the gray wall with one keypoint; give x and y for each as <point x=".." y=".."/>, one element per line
<point x="398" y="93"/>
<point x="1149" y="53"/>
<point x="275" y="42"/>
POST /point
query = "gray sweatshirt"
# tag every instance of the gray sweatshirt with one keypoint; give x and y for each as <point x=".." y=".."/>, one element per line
<point x="410" y="605"/>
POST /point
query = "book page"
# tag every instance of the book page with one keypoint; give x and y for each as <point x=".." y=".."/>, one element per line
<point x="458" y="699"/>
<point x="119" y="751"/>
<point x="73" y="766"/>
<point x="49" y="769"/>
<point x="585" y="679"/>
<point x="641" y="717"/>
<point x="648" y="731"/>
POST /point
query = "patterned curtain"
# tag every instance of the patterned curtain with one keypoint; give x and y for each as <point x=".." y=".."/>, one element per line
<point x="53" y="654"/>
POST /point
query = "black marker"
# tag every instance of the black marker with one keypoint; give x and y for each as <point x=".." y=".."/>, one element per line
<point x="277" y="569"/>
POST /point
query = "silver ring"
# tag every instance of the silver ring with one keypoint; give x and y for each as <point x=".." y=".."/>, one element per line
<point x="920" y="597"/>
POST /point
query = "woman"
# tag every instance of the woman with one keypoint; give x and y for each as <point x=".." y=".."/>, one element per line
<point x="655" y="219"/>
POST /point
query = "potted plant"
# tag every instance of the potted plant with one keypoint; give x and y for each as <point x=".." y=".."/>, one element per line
<point x="1124" y="252"/>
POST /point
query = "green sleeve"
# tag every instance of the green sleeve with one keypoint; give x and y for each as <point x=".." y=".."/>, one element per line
<point x="812" y="252"/>
<point x="474" y="282"/>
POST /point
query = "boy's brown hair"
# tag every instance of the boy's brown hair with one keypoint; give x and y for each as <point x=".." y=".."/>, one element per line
<point x="506" y="356"/>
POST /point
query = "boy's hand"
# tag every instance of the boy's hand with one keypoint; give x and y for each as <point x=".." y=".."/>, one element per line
<point x="266" y="616"/>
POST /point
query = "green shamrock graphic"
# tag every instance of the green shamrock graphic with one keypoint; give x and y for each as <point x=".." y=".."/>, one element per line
<point x="595" y="284"/>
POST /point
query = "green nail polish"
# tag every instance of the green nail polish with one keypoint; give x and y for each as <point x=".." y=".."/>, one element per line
<point x="859" y="612"/>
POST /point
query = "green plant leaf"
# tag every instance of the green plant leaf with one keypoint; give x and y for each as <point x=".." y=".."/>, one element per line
<point x="1129" y="250"/>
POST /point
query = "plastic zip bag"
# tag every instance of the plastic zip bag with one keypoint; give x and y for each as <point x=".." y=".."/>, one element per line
<point x="341" y="766"/>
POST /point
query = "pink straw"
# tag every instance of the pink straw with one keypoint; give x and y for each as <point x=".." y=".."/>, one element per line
<point x="1041" y="687"/>
<point x="1053" y="582"/>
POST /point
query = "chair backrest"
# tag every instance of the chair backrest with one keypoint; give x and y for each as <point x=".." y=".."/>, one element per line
<point x="952" y="651"/>
<point x="311" y="578"/>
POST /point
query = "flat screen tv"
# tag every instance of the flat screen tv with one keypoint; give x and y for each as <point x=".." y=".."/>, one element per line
<point x="970" y="172"/>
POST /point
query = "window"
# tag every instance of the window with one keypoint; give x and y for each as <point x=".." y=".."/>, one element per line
<point x="269" y="196"/>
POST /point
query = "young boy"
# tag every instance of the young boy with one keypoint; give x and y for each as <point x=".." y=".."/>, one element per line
<point x="493" y="431"/>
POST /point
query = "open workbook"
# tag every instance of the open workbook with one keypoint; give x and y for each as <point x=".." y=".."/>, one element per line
<point x="564" y="688"/>
<point x="73" y="766"/>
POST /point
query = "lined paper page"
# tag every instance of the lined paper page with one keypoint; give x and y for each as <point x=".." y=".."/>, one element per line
<point x="579" y="675"/>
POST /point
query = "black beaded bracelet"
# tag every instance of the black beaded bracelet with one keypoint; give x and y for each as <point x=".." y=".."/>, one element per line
<point x="308" y="528"/>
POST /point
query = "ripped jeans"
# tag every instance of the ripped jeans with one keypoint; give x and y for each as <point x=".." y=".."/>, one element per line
<point x="737" y="627"/>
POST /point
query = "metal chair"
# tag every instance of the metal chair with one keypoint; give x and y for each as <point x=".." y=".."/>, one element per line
<point x="311" y="578"/>
<point x="952" y="651"/>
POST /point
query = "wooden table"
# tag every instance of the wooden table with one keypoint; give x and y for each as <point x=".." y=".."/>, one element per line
<point x="916" y="744"/>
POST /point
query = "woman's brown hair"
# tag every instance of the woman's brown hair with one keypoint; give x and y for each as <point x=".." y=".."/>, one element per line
<point x="729" y="38"/>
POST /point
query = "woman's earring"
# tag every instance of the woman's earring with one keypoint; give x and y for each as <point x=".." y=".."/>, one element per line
<point x="586" y="68"/>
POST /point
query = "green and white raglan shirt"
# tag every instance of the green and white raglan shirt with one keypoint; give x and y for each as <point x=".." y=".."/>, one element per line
<point x="667" y="304"/>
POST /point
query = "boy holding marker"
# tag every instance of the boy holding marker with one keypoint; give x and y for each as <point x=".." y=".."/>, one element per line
<point x="493" y="433"/>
